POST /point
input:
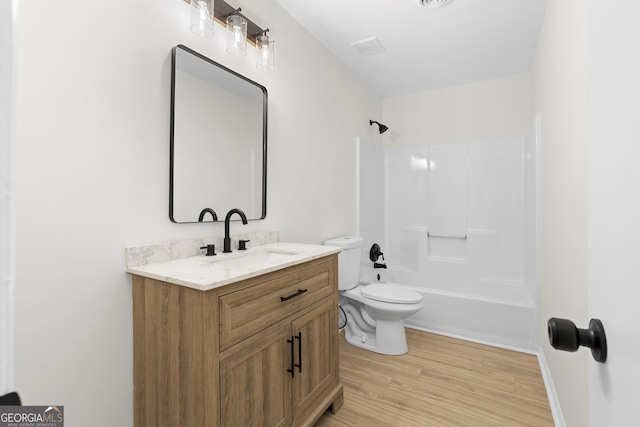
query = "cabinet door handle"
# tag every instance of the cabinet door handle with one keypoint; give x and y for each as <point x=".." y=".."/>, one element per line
<point x="287" y="298"/>
<point x="292" y="370"/>
<point x="299" y="364"/>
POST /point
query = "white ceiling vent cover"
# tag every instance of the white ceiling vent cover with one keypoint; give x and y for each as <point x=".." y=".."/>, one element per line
<point x="433" y="4"/>
<point x="369" y="46"/>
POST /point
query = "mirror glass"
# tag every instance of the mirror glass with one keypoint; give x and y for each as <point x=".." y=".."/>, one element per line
<point x="218" y="140"/>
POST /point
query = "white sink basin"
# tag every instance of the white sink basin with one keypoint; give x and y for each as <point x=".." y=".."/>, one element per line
<point x="250" y="259"/>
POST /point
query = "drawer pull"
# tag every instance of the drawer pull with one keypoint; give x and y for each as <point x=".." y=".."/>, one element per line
<point x="300" y="292"/>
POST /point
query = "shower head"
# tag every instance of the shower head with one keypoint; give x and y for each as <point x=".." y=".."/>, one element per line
<point x="381" y="127"/>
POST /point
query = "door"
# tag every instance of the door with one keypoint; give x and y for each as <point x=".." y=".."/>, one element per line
<point x="316" y="349"/>
<point x="614" y="209"/>
<point x="255" y="387"/>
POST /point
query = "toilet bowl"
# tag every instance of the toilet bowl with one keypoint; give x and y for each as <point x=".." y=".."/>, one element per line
<point x="386" y="317"/>
<point x="375" y="312"/>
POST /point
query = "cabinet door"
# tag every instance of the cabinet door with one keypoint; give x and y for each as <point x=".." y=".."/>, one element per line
<point x="316" y="352"/>
<point x="255" y="387"/>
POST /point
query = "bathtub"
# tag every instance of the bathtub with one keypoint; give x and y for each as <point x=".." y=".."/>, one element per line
<point x="494" y="313"/>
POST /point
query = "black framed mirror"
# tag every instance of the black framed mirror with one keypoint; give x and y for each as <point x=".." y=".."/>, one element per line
<point x="218" y="141"/>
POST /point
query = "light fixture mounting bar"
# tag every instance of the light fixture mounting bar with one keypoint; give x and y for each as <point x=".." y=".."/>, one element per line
<point x="222" y="9"/>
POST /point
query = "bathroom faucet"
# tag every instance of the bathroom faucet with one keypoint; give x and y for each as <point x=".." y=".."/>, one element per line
<point x="376" y="265"/>
<point x="227" y="239"/>
<point x="205" y="211"/>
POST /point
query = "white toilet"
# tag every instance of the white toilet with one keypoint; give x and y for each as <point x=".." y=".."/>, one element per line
<point x="374" y="313"/>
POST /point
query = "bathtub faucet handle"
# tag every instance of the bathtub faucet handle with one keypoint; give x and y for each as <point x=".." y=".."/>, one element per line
<point x="376" y="265"/>
<point x="375" y="253"/>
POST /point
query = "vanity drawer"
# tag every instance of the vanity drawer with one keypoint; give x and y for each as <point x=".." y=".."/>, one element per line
<point x="252" y="309"/>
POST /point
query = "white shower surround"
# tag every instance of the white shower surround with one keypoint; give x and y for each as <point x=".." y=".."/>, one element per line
<point x="483" y="288"/>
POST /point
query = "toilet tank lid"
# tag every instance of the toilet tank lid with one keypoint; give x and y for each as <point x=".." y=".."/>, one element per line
<point x="345" y="242"/>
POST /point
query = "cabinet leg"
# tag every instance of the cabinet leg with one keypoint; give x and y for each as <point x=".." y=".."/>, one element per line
<point x="337" y="402"/>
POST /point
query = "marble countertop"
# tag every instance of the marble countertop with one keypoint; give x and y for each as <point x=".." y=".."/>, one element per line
<point x="209" y="272"/>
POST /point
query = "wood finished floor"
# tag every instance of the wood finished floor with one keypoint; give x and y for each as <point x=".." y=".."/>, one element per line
<point x="441" y="382"/>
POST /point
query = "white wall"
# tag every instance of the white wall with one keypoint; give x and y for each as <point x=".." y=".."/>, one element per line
<point x="560" y="98"/>
<point x="491" y="109"/>
<point x="93" y="165"/>
<point x="7" y="193"/>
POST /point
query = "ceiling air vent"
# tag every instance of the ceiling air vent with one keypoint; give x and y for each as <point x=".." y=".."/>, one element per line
<point x="433" y="4"/>
<point x="368" y="46"/>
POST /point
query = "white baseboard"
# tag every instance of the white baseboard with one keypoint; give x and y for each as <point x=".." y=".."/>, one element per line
<point x="471" y="339"/>
<point x="554" y="403"/>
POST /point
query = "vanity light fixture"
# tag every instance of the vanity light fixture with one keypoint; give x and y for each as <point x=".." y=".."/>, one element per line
<point x="265" y="52"/>
<point x="382" y="128"/>
<point x="241" y="29"/>
<point x="237" y="35"/>
<point x="202" y="17"/>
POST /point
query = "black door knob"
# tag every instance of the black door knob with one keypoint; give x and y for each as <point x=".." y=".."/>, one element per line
<point x="564" y="335"/>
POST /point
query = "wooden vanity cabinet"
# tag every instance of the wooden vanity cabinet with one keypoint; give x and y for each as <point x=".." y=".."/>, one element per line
<point x="260" y="352"/>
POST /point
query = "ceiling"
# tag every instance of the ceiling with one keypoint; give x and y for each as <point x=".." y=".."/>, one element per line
<point x="425" y="49"/>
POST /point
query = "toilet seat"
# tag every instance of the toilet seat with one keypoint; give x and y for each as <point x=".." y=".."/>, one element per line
<point x="385" y="293"/>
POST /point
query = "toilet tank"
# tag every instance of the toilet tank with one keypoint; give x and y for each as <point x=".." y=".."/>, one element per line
<point x="348" y="260"/>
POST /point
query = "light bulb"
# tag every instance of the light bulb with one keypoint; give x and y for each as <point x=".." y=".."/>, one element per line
<point x="237" y="37"/>
<point x="265" y="53"/>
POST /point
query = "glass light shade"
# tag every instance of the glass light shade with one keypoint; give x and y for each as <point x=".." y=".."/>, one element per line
<point x="237" y="36"/>
<point x="202" y="17"/>
<point x="265" y="53"/>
